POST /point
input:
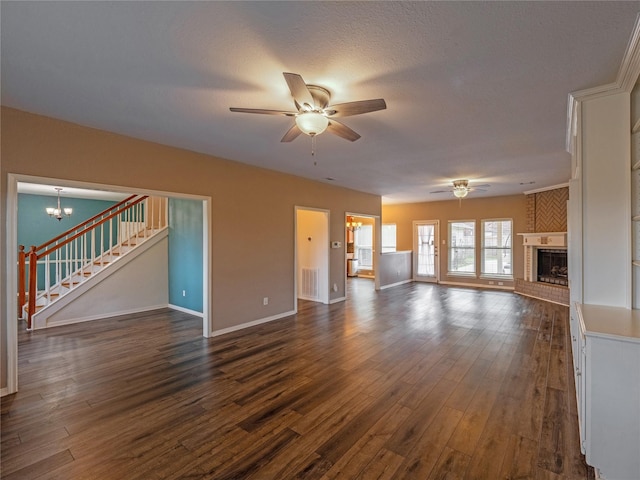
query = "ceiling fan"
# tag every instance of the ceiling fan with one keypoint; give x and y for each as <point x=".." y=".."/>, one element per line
<point x="461" y="188"/>
<point x="314" y="114"/>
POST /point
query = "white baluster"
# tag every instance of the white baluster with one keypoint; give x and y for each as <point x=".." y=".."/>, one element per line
<point x="47" y="277"/>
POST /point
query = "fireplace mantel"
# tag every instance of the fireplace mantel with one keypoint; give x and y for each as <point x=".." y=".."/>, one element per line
<point x="544" y="239"/>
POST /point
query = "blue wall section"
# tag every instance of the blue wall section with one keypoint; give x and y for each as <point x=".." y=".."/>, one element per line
<point x="35" y="227"/>
<point x="185" y="253"/>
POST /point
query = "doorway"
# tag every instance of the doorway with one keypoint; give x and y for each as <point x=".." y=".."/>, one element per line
<point x="312" y="254"/>
<point x="425" y="246"/>
<point x="362" y="237"/>
<point x="12" y="249"/>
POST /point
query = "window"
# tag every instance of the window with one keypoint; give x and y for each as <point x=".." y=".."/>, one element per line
<point x="363" y="239"/>
<point x="462" y="247"/>
<point x="496" y="248"/>
<point x="388" y="237"/>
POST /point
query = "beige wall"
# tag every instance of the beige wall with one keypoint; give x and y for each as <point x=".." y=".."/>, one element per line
<point x="252" y="218"/>
<point x="513" y="207"/>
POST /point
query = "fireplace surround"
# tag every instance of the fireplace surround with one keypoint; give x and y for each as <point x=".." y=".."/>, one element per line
<point x="545" y="267"/>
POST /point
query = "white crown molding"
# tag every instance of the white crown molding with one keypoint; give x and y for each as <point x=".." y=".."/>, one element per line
<point x="627" y="77"/>
<point x="546" y="189"/>
<point x="630" y="66"/>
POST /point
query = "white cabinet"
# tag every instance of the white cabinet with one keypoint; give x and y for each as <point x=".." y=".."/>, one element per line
<point x="608" y="379"/>
<point x="604" y="275"/>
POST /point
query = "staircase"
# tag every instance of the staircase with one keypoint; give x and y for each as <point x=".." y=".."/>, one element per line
<point x="61" y="269"/>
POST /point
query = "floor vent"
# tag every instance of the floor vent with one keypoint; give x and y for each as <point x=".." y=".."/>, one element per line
<point x="310" y="282"/>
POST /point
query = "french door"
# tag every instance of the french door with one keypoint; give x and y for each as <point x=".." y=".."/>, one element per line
<point x="425" y="250"/>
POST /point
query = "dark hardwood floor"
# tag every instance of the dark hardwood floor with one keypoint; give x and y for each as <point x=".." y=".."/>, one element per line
<point x="418" y="381"/>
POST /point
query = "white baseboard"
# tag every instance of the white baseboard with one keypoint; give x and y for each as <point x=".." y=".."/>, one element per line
<point x="4" y="392"/>
<point x="478" y="285"/>
<point x="186" y="310"/>
<point x="102" y="316"/>
<point x="382" y="287"/>
<point x="336" y="300"/>
<point x="217" y="333"/>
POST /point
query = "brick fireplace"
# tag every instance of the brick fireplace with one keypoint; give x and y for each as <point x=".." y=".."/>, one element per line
<point x="545" y="247"/>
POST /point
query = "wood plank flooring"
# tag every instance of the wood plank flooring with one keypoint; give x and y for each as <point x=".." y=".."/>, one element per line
<point x="419" y="381"/>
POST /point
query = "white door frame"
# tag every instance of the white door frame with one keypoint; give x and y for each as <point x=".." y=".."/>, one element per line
<point x="12" y="257"/>
<point x="436" y="260"/>
<point x="377" y="247"/>
<point x="326" y="291"/>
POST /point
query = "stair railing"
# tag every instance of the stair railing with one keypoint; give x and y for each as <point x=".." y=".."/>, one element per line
<point x="68" y="259"/>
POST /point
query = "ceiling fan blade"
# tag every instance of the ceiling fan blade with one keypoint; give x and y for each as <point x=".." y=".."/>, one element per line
<point x="299" y="90"/>
<point x="441" y="191"/>
<point x="263" y="111"/>
<point x="342" y="130"/>
<point x="484" y="185"/>
<point x="477" y="189"/>
<point x="291" y="134"/>
<point x="355" y="108"/>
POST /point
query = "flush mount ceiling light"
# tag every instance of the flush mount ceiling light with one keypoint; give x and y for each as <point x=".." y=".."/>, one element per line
<point x="56" y="212"/>
<point x="314" y="113"/>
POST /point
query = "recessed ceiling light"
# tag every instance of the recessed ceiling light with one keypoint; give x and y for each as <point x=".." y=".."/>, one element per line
<point x="527" y="183"/>
<point x="331" y="179"/>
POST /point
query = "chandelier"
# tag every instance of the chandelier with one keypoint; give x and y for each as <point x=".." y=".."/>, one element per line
<point x="56" y="212"/>
<point x="352" y="224"/>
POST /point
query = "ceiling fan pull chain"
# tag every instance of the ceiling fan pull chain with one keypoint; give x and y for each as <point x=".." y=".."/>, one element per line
<point x="313" y="145"/>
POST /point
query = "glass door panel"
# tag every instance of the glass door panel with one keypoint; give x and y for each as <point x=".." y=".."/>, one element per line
<point x="425" y="253"/>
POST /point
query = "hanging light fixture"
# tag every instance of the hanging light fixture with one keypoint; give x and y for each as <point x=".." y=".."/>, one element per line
<point x="352" y="224"/>
<point x="56" y="212"/>
<point x="461" y="188"/>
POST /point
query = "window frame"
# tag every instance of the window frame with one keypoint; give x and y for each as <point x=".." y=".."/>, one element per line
<point x="484" y="248"/>
<point x="451" y="247"/>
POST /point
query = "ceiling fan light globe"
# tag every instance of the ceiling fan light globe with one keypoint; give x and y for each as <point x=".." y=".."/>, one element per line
<point x="460" y="192"/>
<point x="312" y="123"/>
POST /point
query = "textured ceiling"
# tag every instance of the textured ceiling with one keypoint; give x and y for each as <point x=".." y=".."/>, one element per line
<point x="474" y="90"/>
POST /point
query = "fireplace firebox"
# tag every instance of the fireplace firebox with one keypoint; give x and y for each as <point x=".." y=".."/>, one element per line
<point x="552" y="266"/>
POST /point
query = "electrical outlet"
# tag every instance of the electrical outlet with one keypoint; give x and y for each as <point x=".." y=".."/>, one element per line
<point x="491" y="282"/>
<point x="184" y="293"/>
<point x="500" y="283"/>
<point x="335" y="287"/>
<point x="265" y="301"/>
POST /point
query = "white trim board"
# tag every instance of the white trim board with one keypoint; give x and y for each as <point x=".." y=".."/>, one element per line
<point x="478" y="285"/>
<point x="185" y="310"/>
<point x="253" y="323"/>
<point x="384" y="287"/>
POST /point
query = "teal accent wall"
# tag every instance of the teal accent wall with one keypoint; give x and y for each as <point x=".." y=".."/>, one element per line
<point x="185" y="253"/>
<point x="35" y="227"/>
